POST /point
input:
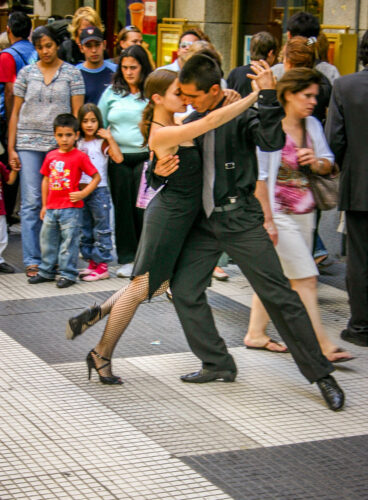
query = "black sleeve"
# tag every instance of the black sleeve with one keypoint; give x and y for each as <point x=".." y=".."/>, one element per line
<point x="231" y="79"/>
<point x="70" y="53"/>
<point x="335" y="126"/>
<point x="264" y="123"/>
<point x="323" y="99"/>
<point x="238" y="80"/>
<point x="153" y="180"/>
<point x="62" y="51"/>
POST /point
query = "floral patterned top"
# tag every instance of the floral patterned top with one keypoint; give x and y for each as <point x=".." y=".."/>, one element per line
<point x="42" y="103"/>
<point x="292" y="190"/>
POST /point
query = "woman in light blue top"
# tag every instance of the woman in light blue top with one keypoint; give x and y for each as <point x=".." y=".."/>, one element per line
<point x="122" y="105"/>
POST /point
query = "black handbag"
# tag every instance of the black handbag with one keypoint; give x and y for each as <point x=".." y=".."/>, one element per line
<point x="325" y="188"/>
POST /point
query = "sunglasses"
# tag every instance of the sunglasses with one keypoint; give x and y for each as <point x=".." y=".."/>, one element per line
<point x="184" y="45"/>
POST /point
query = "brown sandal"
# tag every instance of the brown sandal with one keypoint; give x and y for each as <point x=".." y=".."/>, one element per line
<point x="31" y="270"/>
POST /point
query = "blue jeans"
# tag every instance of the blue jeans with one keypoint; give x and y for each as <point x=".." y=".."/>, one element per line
<point x="223" y="260"/>
<point x="319" y="248"/>
<point x="60" y="243"/>
<point x="96" y="243"/>
<point x="30" y="190"/>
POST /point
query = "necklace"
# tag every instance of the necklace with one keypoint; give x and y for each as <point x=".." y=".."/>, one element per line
<point x="158" y="123"/>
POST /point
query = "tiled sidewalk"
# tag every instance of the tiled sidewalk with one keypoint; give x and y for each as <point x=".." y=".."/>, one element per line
<point x="268" y="435"/>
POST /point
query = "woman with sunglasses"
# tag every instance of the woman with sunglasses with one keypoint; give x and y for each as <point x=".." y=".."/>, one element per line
<point x="185" y="42"/>
<point x="128" y="36"/>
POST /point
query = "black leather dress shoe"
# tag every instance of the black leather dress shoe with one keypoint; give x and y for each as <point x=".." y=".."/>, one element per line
<point x="355" y="338"/>
<point x="203" y="376"/>
<point x="34" y="280"/>
<point x="331" y="392"/>
<point x="64" y="283"/>
<point x="6" y="268"/>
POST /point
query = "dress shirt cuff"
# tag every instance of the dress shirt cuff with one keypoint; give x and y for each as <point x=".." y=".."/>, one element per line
<point x="153" y="180"/>
<point x="267" y="97"/>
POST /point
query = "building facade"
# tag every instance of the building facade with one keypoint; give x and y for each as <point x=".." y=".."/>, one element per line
<point x="227" y="22"/>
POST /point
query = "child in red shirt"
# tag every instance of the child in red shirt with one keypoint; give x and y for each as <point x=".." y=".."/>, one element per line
<point x="9" y="178"/>
<point x="62" y="203"/>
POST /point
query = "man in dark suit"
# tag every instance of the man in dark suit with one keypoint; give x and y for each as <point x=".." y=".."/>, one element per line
<point x="264" y="46"/>
<point x="346" y="132"/>
<point x="232" y="221"/>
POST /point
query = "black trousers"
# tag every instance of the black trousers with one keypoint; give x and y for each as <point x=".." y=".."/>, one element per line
<point x="124" y="184"/>
<point x="241" y="235"/>
<point x="357" y="270"/>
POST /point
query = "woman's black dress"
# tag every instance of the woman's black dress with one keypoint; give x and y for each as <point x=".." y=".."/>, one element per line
<point x="168" y="219"/>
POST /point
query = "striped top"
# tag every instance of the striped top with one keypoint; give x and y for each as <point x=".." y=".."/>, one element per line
<point x="42" y="103"/>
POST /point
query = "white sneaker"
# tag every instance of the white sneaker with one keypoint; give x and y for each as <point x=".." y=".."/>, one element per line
<point x="219" y="274"/>
<point x="125" y="271"/>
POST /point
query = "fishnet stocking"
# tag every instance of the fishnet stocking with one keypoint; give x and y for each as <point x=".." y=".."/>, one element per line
<point x="106" y="307"/>
<point x="123" y="305"/>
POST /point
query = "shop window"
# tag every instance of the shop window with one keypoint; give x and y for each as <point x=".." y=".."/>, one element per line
<point x="283" y="9"/>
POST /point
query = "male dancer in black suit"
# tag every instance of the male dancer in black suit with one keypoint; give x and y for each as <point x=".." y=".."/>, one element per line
<point x="346" y="133"/>
<point x="232" y="221"/>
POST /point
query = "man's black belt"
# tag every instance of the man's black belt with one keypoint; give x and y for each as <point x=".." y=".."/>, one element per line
<point x="230" y="206"/>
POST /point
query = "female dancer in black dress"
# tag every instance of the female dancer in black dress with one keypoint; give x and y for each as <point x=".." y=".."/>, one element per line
<point x="168" y="217"/>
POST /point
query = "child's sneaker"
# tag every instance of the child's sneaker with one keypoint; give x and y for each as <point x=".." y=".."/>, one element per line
<point x="91" y="267"/>
<point x="100" y="273"/>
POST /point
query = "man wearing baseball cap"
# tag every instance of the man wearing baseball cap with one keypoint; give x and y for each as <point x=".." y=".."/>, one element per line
<point x="96" y="71"/>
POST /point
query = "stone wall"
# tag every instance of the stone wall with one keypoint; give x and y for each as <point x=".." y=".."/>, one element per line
<point x="214" y="17"/>
<point x="63" y="8"/>
<point x="344" y="12"/>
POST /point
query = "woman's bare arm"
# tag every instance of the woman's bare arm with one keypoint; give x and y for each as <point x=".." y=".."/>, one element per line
<point x="12" y="132"/>
<point x="76" y="102"/>
<point x="166" y="138"/>
<point x="172" y="136"/>
<point x="261" y="193"/>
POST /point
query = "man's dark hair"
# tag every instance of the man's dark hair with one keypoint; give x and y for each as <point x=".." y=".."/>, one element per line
<point x="20" y="24"/>
<point x="66" y="120"/>
<point x="261" y="44"/>
<point x="363" y="49"/>
<point x="189" y="32"/>
<point x="202" y="71"/>
<point x="303" y="24"/>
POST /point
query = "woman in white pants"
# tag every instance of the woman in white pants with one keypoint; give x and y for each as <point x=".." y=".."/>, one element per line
<point x="288" y="204"/>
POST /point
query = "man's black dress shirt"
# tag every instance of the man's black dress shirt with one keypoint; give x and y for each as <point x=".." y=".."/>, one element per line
<point x="236" y="142"/>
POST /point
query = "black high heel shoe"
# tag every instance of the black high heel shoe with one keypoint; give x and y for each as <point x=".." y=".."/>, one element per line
<point x="78" y="324"/>
<point x="91" y="364"/>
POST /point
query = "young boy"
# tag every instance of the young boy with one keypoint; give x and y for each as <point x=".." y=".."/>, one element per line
<point x="9" y="178"/>
<point x="62" y="203"/>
